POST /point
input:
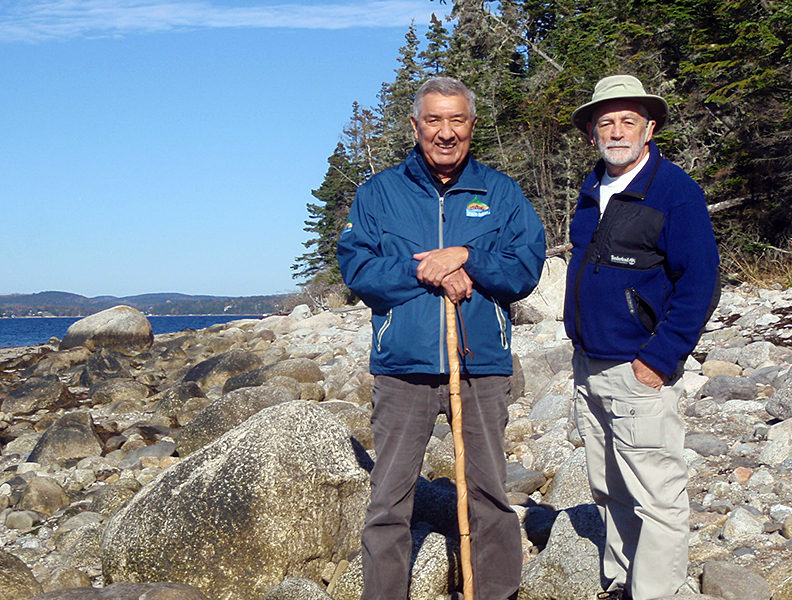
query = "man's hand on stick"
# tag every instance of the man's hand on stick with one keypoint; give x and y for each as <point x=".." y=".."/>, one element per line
<point x="458" y="286"/>
<point x="436" y="265"/>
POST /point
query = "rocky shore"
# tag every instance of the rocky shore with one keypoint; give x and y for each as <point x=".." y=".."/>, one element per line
<point x="232" y="463"/>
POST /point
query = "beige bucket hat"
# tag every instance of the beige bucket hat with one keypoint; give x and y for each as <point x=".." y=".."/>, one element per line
<point x="621" y="87"/>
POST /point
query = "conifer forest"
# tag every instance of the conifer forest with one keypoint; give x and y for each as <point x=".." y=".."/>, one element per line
<point x="724" y="67"/>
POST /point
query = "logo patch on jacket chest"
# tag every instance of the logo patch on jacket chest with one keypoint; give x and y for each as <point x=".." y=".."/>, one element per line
<point x="622" y="260"/>
<point x="477" y="208"/>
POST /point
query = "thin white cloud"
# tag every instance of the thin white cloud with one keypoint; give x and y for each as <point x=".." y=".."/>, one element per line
<point x="45" y="20"/>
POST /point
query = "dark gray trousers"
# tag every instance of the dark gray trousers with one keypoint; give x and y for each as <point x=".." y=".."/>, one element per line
<point x="405" y="410"/>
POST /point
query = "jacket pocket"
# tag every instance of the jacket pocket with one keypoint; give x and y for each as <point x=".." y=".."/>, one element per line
<point x="382" y="329"/>
<point x="641" y="309"/>
<point x="502" y="324"/>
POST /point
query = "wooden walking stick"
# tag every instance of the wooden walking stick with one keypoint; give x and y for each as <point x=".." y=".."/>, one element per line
<point x="459" y="449"/>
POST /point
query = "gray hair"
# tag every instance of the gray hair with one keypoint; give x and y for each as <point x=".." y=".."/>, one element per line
<point x="445" y="86"/>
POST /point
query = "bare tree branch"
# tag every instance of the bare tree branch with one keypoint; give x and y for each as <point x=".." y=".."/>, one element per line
<point x="726" y="204"/>
<point x="345" y="176"/>
<point x="531" y="44"/>
<point x="556" y="250"/>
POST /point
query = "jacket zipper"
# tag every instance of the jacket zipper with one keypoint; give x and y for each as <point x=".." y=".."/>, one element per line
<point x="501" y="324"/>
<point x="383" y="329"/>
<point x="440" y="219"/>
<point x="440" y="245"/>
<point x="607" y="220"/>
<point x="590" y="249"/>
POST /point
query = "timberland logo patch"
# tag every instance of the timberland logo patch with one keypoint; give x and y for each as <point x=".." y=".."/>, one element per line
<point x="622" y="260"/>
<point x="477" y="208"/>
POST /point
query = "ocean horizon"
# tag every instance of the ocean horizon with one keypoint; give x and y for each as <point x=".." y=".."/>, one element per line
<point x="31" y="331"/>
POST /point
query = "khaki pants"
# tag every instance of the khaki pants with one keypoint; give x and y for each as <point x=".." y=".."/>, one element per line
<point x="405" y="410"/>
<point x="634" y="440"/>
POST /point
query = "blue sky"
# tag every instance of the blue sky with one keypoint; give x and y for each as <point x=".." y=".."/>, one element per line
<point x="171" y="146"/>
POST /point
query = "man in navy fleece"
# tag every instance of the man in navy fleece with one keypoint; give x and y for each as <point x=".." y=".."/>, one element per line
<point x="641" y="284"/>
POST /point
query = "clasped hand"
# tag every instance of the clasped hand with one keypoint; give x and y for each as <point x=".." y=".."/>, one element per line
<point x="442" y="268"/>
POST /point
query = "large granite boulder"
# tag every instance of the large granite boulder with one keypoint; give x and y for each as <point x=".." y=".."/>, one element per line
<point x="724" y="387"/>
<point x="733" y="582"/>
<point x="780" y="580"/>
<point x="228" y="412"/>
<point x="172" y="400"/>
<point x="64" y="578"/>
<point x="43" y="495"/>
<point x="303" y="370"/>
<point x="121" y="328"/>
<point x="435" y="569"/>
<point x="217" y="370"/>
<point x="118" y="391"/>
<point x="280" y="495"/>
<point x="570" y="486"/>
<point x="58" y="362"/>
<point x="108" y="499"/>
<point x="103" y="365"/>
<point x="72" y="436"/>
<point x="547" y="300"/>
<point x="779" y="444"/>
<point x="568" y="567"/>
<point x="37" y="393"/>
<point x="16" y="580"/>
<point x="297" y="588"/>
<point x="541" y="364"/>
<point x="82" y="546"/>
<point x="780" y="403"/>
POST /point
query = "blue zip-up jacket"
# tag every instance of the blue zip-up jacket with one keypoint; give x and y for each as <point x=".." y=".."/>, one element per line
<point x="398" y="213"/>
<point x="643" y="280"/>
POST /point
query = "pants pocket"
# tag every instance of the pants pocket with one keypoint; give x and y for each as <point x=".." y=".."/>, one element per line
<point x="639" y="417"/>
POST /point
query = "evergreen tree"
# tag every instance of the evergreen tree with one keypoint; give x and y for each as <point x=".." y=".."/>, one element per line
<point x="396" y="100"/>
<point x="434" y="57"/>
<point x="740" y="71"/>
<point x="724" y="66"/>
<point x="351" y="163"/>
<point x="325" y="220"/>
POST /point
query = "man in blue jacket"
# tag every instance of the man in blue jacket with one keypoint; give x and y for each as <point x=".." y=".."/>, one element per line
<point x="641" y="284"/>
<point x="438" y="224"/>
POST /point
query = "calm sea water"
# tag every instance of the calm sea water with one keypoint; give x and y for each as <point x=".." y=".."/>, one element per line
<point x="28" y="331"/>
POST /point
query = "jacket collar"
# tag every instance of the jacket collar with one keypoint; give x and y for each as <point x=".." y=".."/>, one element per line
<point x="470" y="179"/>
<point x="636" y="189"/>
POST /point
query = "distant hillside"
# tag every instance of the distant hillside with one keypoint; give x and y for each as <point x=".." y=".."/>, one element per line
<point x="65" y="304"/>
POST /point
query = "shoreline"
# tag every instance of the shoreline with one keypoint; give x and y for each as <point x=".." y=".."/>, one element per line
<point x="184" y="315"/>
<point x="10" y="352"/>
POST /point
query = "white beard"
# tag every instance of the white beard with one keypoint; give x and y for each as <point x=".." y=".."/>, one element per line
<point x="621" y="153"/>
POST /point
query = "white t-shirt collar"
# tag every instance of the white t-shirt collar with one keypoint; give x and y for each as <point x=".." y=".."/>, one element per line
<point x="615" y="185"/>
